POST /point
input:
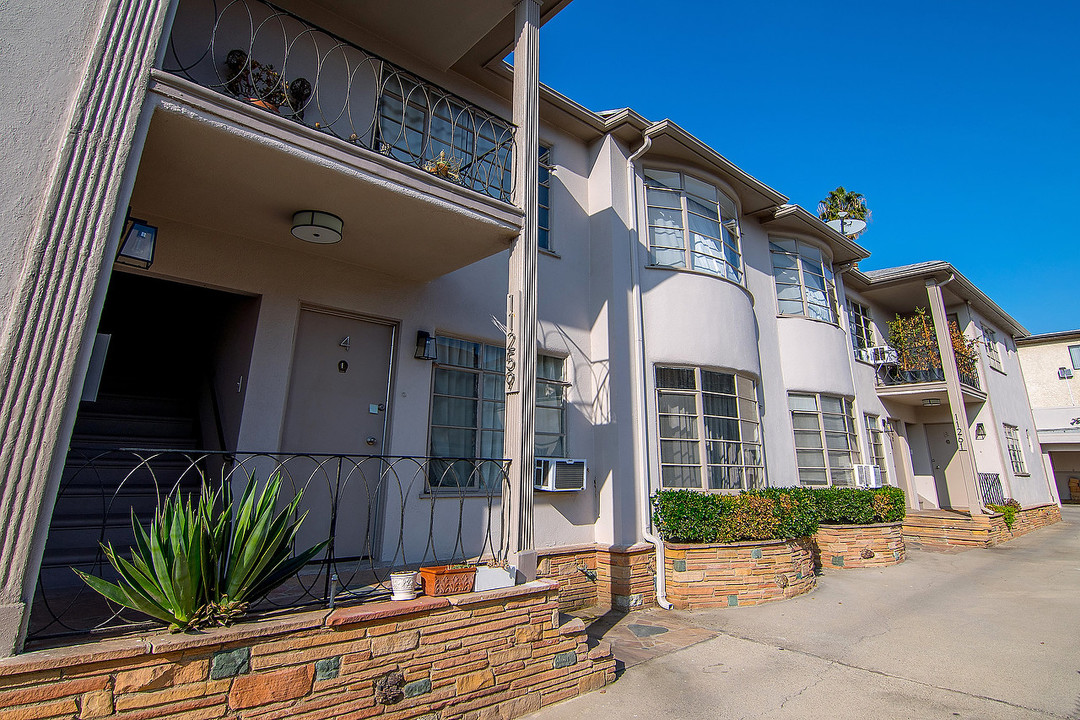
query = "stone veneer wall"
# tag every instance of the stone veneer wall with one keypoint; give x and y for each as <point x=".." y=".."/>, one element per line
<point x="746" y="573"/>
<point x="934" y="531"/>
<point x="618" y="576"/>
<point x="494" y="654"/>
<point x="847" y="546"/>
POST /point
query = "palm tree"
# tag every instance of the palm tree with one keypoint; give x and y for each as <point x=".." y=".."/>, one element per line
<point x="841" y="200"/>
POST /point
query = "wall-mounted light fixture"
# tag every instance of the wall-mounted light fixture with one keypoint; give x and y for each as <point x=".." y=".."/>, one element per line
<point x="317" y="227"/>
<point x="137" y="243"/>
<point x="931" y="402"/>
<point x="425" y="346"/>
<point x="980" y="431"/>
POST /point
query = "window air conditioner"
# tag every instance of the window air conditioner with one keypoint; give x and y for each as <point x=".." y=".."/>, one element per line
<point x="878" y="355"/>
<point x="867" y="476"/>
<point x="1065" y="373"/>
<point x="558" y="475"/>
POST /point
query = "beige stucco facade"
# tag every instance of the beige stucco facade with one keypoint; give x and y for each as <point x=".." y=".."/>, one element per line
<point x="1053" y="384"/>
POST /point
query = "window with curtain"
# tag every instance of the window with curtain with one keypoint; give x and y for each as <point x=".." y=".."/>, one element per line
<point x="468" y="410"/>
<point x="691" y="225"/>
<point x="710" y="434"/>
<point x="826" y="445"/>
<point x="804" y="280"/>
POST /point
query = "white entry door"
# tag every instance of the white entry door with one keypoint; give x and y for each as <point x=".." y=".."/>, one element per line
<point x="941" y="439"/>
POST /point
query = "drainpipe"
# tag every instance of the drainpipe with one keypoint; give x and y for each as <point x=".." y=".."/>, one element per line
<point x="640" y="396"/>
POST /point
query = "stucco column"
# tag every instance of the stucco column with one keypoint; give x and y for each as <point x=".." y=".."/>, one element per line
<point x="521" y="322"/>
<point x="964" y="452"/>
<point x="44" y="347"/>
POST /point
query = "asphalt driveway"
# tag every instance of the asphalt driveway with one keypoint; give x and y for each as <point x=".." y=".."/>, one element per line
<point x="989" y="633"/>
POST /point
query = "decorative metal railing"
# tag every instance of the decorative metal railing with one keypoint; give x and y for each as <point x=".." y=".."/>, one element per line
<point x="892" y="373"/>
<point x="990" y="490"/>
<point x="378" y="514"/>
<point x="275" y="61"/>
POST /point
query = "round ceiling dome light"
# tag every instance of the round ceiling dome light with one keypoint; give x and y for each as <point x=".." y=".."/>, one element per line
<point x="317" y="227"/>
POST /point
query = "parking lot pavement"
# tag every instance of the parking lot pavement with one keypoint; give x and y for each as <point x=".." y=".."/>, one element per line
<point x="985" y="633"/>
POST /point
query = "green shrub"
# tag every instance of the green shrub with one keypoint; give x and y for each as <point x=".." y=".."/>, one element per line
<point x="857" y="506"/>
<point x="195" y="567"/>
<point x="770" y="514"/>
<point x="1007" y="511"/>
<point x="693" y="516"/>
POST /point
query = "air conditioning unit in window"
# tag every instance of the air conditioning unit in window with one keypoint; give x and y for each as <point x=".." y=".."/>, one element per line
<point x="559" y="475"/>
<point x="877" y="355"/>
<point x="867" y="476"/>
<point x="1065" y="373"/>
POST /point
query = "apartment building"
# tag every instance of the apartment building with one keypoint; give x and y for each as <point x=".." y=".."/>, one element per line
<point x="368" y="253"/>
<point x="1050" y="362"/>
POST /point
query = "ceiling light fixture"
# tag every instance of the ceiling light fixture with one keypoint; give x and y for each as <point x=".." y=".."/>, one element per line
<point x="317" y="227"/>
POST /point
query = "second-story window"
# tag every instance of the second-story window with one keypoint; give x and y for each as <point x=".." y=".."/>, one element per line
<point x="691" y="224"/>
<point x="862" y="330"/>
<point x="990" y="343"/>
<point x="544" y="203"/>
<point x="804" y="280"/>
<point x="1074" y="356"/>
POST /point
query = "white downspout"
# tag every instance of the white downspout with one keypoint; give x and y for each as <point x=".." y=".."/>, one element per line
<point x="640" y="396"/>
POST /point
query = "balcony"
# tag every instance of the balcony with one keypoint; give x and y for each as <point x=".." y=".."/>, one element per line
<point x="916" y="377"/>
<point x="261" y="110"/>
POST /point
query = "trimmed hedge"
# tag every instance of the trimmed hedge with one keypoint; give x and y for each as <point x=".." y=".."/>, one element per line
<point x="852" y="506"/>
<point x="771" y="514"/>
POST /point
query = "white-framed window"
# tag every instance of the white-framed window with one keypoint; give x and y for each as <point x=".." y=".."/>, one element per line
<point x="826" y="444"/>
<point x="692" y="224"/>
<point x="544" y="201"/>
<point x="710" y="431"/>
<point x="551" y="389"/>
<point x="468" y="402"/>
<point x="990" y="343"/>
<point x="1016" y="453"/>
<point x="1074" y="356"/>
<point x="804" y="280"/>
<point x="875" y="443"/>
<point x="862" y="328"/>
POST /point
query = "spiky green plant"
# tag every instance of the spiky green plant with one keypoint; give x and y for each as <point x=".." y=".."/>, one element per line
<point x="195" y="567"/>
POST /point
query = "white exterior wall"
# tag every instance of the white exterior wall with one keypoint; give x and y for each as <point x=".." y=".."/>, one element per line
<point x="44" y="50"/>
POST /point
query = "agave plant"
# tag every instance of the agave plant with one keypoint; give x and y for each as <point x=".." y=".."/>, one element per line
<point x="195" y="567"/>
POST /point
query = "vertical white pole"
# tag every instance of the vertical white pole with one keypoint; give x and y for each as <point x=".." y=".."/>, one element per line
<point x="521" y="323"/>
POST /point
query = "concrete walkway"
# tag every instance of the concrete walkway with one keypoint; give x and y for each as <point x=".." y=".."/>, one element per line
<point x="984" y="633"/>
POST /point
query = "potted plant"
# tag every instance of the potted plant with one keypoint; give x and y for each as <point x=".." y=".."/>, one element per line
<point x="447" y="579"/>
<point x="404" y="584"/>
<point x="263" y="86"/>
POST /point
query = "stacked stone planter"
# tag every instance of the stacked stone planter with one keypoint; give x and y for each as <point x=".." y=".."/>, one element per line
<point x="859" y="546"/>
<point x="734" y="574"/>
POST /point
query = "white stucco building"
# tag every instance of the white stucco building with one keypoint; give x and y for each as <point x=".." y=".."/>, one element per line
<point x="693" y="328"/>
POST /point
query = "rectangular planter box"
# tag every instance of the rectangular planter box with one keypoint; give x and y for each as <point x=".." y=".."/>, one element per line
<point x="446" y="580"/>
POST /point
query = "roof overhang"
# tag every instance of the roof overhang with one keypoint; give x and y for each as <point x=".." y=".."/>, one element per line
<point x="796" y="219"/>
<point x="901" y="289"/>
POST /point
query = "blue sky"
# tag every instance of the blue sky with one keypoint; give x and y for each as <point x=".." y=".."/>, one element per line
<point x="958" y="120"/>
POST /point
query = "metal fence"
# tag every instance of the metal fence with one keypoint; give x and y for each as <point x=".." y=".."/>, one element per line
<point x="990" y="489"/>
<point x="378" y="514"/>
<point x="889" y="374"/>
<point x="273" y="60"/>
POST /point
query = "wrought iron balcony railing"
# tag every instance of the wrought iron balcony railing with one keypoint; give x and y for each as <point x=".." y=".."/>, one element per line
<point x="275" y="61"/>
<point x="890" y="372"/>
<point x="376" y="512"/>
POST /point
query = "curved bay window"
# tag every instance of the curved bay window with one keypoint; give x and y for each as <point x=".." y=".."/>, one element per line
<point x="804" y="280"/>
<point x="710" y="433"/>
<point x="826" y="446"/>
<point x="691" y="225"/>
